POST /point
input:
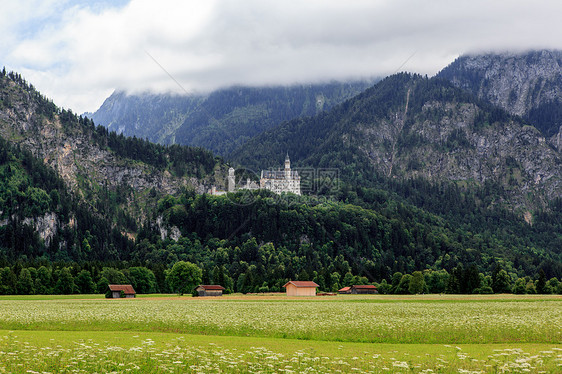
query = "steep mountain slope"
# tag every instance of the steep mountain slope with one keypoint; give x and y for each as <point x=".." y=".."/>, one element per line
<point x="221" y="120"/>
<point x="41" y="219"/>
<point x="526" y="84"/>
<point x="155" y="117"/>
<point x="92" y="161"/>
<point x="409" y="127"/>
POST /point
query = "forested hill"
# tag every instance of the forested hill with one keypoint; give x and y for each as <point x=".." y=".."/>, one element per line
<point x="528" y="84"/>
<point x="117" y="178"/>
<point x="42" y="220"/>
<point x="221" y="120"/>
<point x="73" y="195"/>
<point x="408" y="127"/>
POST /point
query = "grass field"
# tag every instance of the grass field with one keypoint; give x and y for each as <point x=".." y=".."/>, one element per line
<point x="274" y="334"/>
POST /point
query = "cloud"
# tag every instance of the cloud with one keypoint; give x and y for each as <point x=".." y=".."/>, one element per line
<point x="79" y="52"/>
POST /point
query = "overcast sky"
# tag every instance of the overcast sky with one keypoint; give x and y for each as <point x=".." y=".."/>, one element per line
<point x="78" y="52"/>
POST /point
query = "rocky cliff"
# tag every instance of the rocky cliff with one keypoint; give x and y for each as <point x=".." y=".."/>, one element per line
<point x="526" y="84"/>
<point x="516" y="82"/>
<point x="66" y="143"/>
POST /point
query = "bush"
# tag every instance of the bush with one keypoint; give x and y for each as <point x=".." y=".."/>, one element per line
<point x="486" y="290"/>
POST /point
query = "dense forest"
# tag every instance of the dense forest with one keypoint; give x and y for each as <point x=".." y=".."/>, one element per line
<point x="405" y="235"/>
<point x="257" y="242"/>
<point x="32" y="194"/>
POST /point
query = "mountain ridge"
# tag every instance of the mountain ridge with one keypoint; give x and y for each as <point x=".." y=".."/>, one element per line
<point x="527" y="84"/>
<point x="408" y="126"/>
<point x="91" y="159"/>
<point x="220" y="120"/>
<point x="373" y="223"/>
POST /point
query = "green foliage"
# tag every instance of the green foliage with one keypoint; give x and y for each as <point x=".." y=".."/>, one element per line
<point x="519" y="286"/>
<point x="65" y="283"/>
<point x="547" y="117"/>
<point x="114" y="276"/>
<point x="142" y="279"/>
<point x="184" y="277"/>
<point x="30" y="190"/>
<point x="541" y="283"/>
<point x="25" y="283"/>
<point x="84" y="282"/>
<point x="501" y="282"/>
<point x="404" y="285"/>
<point x="417" y="283"/>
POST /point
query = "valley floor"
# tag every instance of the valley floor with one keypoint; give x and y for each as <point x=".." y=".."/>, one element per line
<point x="345" y="333"/>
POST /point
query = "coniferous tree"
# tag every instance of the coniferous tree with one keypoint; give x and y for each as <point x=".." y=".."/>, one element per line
<point x="541" y="283"/>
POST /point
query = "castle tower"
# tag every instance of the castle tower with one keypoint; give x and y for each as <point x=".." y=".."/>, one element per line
<point x="287" y="167"/>
<point x="231" y="180"/>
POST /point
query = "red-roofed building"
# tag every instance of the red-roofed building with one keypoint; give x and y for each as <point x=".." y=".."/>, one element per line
<point x="209" y="290"/>
<point x="116" y="289"/>
<point x="345" y="290"/>
<point x="364" y="289"/>
<point x="301" y="288"/>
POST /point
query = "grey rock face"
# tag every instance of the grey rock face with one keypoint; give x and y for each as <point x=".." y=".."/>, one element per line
<point x="444" y="142"/>
<point x="45" y="226"/>
<point x="81" y="162"/>
<point x="516" y="82"/>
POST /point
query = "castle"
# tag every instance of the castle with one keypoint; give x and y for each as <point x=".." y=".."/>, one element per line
<point x="276" y="181"/>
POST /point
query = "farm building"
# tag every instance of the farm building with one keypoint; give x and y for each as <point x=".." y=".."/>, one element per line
<point x="364" y="289"/>
<point x="301" y="288"/>
<point x="345" y="290"/>
<point x="116" y="289"/>
<point x="209" y="290"/>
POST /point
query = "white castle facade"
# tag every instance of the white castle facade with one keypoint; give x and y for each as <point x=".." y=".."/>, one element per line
<point x="277" y="181"/>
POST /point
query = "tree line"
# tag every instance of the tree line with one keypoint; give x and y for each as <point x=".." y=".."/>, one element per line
<point x="184" y="276"/>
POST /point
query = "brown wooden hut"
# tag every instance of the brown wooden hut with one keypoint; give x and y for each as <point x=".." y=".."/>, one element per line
<point x="209" y="290"/>
<point x="127" y="289"/>
<point x="364" y="289"/>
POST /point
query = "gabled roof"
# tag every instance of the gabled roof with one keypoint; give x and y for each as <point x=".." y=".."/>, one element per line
<point x="126" y="288"/>
<point x="365" y="287"/>
<point x="344" y="289"/>
<point x="211" y="287"/>
<point x="301" y="284"/>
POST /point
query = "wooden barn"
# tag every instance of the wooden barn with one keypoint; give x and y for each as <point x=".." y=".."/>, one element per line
<point x="209" y="290"/>
<point x="364" y="289"/>
<point x="127" y="289"/>
<point x="300" y="288"/>
<point x="345" y="290"/>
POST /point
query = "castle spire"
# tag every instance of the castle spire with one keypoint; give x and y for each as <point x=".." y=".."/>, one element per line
<point x="287" y="166"/>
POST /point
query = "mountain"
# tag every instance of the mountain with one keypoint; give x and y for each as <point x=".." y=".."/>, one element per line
<point x="79" y="201"/>
<point x="528" y="84"/>
<point x="100" y="176"/>
<point x="155" y="117"/>
<point x="221" y="120"/>
<point x="409" y="127"/>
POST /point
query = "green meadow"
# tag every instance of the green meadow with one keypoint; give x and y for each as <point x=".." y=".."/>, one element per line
<point x="345" y="333"/>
